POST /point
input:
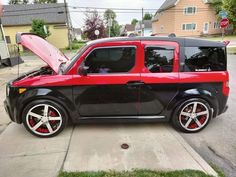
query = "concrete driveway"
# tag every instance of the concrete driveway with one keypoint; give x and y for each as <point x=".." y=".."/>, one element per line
<point x="90" y="147"/>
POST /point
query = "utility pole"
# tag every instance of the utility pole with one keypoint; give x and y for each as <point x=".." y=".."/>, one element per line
<point x="142" y="23"/>
<point x="68" y="25"/>
<point x="109" y="24"/>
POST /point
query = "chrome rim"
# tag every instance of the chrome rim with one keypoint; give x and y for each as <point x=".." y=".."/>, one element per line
<point x="44" y="119"/>
<point x="194" y="116"/>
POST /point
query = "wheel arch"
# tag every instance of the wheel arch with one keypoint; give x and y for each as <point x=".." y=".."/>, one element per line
<point x="186" y="95"/>
<point x="45" y="94"/>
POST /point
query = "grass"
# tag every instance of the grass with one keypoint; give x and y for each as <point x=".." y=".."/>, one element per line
<point x="231" y="50"/>
<point x="219" y="38"/>
<point x="218" y="170"/>
<point x="136" y="173"/>
<point x="76" y="45"/>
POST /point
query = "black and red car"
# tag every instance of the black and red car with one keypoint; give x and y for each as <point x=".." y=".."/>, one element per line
<point x="181" y="80"/>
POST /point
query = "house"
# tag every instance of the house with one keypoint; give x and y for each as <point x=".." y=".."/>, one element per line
<point x="127" y="30"/>
<point x="186" y="18"/>
<point x="147" y="27"/>
<point x="77" y="34"/>
<point x="18" y="18"/>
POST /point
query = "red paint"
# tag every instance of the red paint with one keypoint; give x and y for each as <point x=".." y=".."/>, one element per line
<point x="47" y="52"/>
<point x="224" y="23"/>
<point x="138" y="73"/>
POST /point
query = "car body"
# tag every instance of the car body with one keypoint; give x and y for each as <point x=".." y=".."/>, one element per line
<point x="181" y="80"/>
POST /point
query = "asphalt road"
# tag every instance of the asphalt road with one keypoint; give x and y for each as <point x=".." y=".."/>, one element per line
<point x="217" y="143"/>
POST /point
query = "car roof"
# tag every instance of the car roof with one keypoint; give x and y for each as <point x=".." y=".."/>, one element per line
<point x="182" y="41"/>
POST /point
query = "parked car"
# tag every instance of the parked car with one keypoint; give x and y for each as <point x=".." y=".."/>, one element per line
<point x="184" y="81"/>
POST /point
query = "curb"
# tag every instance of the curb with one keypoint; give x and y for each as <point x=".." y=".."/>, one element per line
<point x="206" y="168"/>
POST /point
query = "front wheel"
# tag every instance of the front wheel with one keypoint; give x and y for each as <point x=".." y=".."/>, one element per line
<point x="44" y="118"/>
<point x="192" y="115"/>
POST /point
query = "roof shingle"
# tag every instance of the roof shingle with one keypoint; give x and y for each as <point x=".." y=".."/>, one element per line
<point x="24" y="14"/>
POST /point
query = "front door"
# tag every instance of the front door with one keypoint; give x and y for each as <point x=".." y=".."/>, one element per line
<point x="206" y="28"/>
<point x="160" y="77"/>
<point x="111" y="86"/>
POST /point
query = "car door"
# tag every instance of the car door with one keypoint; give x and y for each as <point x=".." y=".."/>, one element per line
<point x="111" y="86"/>
<point x="159" y="75"/>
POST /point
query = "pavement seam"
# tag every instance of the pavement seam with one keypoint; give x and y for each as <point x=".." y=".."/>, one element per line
<point x="195" y="156"/>
<point x="67" y="150"/>
<point x="29" y="155"/>
<point x="228" y="162"/>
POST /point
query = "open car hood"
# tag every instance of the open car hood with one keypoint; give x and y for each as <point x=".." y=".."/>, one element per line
<point x="46" y="51"/>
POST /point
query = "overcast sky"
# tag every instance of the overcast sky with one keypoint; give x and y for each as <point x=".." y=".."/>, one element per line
<point x="123" y="18"/>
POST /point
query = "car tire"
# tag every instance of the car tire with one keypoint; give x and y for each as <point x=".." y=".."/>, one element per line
<point x="192" y="115"/>
<point x="44" y="118"/>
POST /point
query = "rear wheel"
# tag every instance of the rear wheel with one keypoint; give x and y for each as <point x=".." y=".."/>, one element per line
<point x="192" y="116"/>
<point x="44" y="118"/>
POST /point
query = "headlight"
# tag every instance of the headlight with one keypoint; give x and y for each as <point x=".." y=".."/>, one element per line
<point x="7" y="90"/>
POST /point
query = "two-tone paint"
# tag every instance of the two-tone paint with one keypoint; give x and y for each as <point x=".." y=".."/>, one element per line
<point x="135" y="95"/>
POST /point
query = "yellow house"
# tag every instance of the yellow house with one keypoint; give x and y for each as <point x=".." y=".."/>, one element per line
<point x="18" y="18"/>
<point x="186" y="18"/>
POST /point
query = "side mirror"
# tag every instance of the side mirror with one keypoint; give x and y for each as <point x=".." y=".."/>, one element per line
<point x="83" y="70"/>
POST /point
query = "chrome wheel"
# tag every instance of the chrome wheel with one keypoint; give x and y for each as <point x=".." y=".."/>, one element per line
<point x="194" y="116"/>
<point x="44" y="119"/>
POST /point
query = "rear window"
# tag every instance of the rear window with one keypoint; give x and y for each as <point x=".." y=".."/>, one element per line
<point x="203" y="59"/>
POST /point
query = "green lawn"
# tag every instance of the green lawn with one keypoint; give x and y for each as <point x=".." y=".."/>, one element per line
<point x="231" y="50"/>
<point x="136" y="173"/>
<point x="219" y="38"/>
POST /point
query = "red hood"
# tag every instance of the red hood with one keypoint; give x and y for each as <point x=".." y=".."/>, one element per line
<point x="46" y="51"/>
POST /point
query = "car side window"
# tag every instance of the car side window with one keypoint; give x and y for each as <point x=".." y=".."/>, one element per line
<point x="110" y="60"/>
<point x="204" y="59"/>
<point x="159" y="59"/>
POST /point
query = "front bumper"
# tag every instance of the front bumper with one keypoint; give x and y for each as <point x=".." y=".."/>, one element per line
<point x="7" y="109"/>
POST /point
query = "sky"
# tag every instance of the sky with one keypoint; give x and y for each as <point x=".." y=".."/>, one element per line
<point x="77" y="18"/>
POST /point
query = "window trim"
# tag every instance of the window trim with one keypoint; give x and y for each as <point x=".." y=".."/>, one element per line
<point x="188" y="24"/>
<point x="186" y="7"/>
<point x="104" y="47"/>
<point x="216" y="25"/>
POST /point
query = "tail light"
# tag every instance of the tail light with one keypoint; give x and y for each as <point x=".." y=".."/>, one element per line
<point x="225" y="89"/>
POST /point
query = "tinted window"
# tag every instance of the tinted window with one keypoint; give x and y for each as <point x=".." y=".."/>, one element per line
<point x="204" y="59"/>
<point x="111" y="60"/>
<point x="159" y="59"/>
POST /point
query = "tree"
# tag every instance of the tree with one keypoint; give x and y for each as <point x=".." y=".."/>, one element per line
<point x="230" y="7"/>
<point x="93" y="22"/>
<point x="38" y="27"/>
<point x="15" y="2"/>
<point x="110" y="15"/>
<point x="18" y="2"/>
<point x="44" y="1"/>
<point x="134" y="21"/>
<point x="147" y="16"/>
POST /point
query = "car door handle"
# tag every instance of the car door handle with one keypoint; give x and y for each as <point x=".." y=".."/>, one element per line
<point x="135" y="83"/>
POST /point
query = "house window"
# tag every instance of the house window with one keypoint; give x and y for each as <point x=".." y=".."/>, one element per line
<point x="189" y="26"/>
<point x="8" y="39"/>
<point x="190" y="10"/>
<point x="162" y="29"/>
<point x="216" y="25"/>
